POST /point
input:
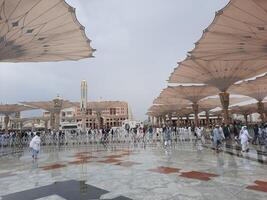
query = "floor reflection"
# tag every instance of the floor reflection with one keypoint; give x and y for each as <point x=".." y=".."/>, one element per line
<point x="69" y="190"/>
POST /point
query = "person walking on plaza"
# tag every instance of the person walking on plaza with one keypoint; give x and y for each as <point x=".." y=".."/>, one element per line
<point x="217" y="137"/>
<point x="226" y="131"/>
<point x="199" y="133"/>
<point x="190" y="135"/>
<point x="167" y="136"/>
<point x="35" y="145"/>
<point x="256" y="134"/>
<point x="150" y="133"/>
<point x="199" y="138"/>
<point x="182" y="134"/>
<point x="244" y="137"/>
<point x="235" y="130"/>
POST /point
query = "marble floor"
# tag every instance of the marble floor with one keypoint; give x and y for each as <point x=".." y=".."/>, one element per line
<point x="124" y="172"/>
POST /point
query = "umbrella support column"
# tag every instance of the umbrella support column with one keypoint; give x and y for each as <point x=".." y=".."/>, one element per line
<point x="170" y="119"/>
<point x="261" y="110"/>
<point x="99" y="123"/>
<point x="57" y="121"/>
<point x="6" y="120"/>
<point x="21" y="125"/>
<point x="195" y="109"/>
<point x="52" y="120"/>
<point x="187" y="121"/>
<point x="246" y="118"/>
<point x="178" y="121"/>
<point x="46" y="124"/>
<point x="160" y="121"/>
<point x="207" y="118"/>
<point x="225" y="99"/>
<point x="155" y="121"/>
<point x="184" y="121"/>
<point x="165" y="120"/>
<point x="152" y="120"/>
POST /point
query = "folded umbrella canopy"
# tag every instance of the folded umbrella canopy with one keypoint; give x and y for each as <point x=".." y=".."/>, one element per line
<point x="41" y="31"/>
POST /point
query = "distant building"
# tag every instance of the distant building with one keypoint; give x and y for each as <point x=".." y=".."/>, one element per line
<point x="94" y="114"/>
<point x="104" y="113"/>
<point x="98" y="114"/>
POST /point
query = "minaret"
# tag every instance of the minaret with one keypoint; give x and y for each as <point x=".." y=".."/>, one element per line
<point x="130" y="114"/>
<point x="83" y="104"/>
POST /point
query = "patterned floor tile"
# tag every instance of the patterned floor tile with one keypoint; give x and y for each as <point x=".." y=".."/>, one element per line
<point x="83" y="152"/>
<point x="260" y="186"/>
<point x="198" y="175"/>
<point x="127" y="153"/>
<point x="165" y="170"/>
<point x="127" y="163"/>
<point x="110" y="160"/>
<point x="6" y="174"/>
<point x="78" y="162"/>
<point x="69" y="190"/>
<point x="82" y="157"/>
<point x="114" y="156"/>
<point x="53" y="166"/>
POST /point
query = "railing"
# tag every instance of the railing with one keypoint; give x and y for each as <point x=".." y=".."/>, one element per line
<point x="7" y="141"/>
<point x="10" y="144"/>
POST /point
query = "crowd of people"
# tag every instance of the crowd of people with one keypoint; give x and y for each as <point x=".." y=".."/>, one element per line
<point x="167" y="135"/>
<point x="241" y="135"/>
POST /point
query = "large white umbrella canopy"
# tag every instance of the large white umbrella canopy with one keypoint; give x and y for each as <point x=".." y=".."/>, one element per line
<point x="8" y="109"/>
<point x="231" y="49"/>
<point x="210" y="103"/>
<point x="256" y="89"/>
<point x="171" y="101"/>
<point x="50" y="106"/>
<point x="238" y="32"/>
<point x="245" y="110"/>
<point x="216" y="73"/>
<point x="170" y="104"/>
<point x="54" y="107"/>
<point x="165" y="108"/>
<point x="191" y="93"/>
<point x="41" y="30"/>
<point x="161" y="110"/>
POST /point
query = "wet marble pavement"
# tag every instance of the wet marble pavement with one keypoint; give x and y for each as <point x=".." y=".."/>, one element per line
<point x="126" y="172"/>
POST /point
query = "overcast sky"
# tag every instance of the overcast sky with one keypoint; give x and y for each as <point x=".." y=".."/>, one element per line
<point x="138" y="44"/>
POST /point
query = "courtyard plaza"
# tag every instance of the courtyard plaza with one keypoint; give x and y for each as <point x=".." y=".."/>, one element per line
<point x="182" y="170"/>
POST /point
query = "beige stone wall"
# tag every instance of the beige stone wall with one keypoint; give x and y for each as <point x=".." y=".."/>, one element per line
<point x="111" y="116"/>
